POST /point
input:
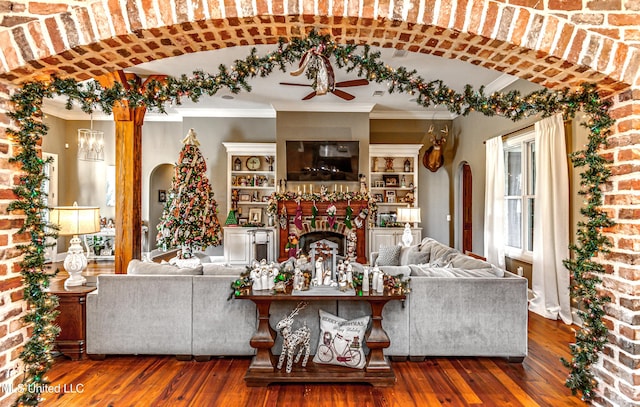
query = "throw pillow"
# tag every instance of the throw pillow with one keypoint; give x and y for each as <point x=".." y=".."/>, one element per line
<point x="417" y="256"/>
<point x="389" y="256"/>
<point x="340" y="341"/>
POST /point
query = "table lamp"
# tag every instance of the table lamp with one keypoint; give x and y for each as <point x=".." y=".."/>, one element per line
<point x="408" y="215"/>
<point x="73" y="221"/>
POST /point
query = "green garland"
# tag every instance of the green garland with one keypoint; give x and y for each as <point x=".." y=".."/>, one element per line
<point x="155" y="95"/>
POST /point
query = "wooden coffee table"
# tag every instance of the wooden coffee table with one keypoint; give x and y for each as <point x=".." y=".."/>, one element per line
<point x="262" y="371"/>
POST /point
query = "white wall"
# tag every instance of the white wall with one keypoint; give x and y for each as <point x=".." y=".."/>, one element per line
<point x="162" y="142"/>
<point x="433" y="191"/>
<point x="474" y="130"/>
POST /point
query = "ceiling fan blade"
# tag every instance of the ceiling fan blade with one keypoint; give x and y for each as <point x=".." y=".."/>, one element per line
<point x="294" y="84"/>
<point x="342" y="94"/>
<point x="309" y="96"/>
<point x="355" y="82"/>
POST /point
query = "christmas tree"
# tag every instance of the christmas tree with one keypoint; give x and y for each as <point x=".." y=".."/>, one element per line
<point x="189" y="219"/>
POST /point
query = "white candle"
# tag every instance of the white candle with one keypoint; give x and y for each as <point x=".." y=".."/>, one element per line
<point x="347" y="190"/>
<point x="334" y="187"/>
<point x="311" y="188"/>
<point x="340" y="188"/>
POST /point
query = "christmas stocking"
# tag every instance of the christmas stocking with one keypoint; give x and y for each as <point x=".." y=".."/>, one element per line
<point x="362" y="216"/>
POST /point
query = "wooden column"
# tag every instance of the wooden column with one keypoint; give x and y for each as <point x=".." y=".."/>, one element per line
<point x="128" y="222"/>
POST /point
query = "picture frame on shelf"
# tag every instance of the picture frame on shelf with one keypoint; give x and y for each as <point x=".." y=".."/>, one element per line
<point x="162" y="195"/>
<point x="242" y="221"/>
<point x="391" y="180"/>
<point x="386" y="219"/>
<point x="378" y="184"/>
<point x="379" y="197"/>
<point x="255" y="215"/>
<point x="391" y="196"/>
<point x="245" y="198"/>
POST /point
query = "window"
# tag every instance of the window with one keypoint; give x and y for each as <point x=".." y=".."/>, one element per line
<point x="519" y="189"/>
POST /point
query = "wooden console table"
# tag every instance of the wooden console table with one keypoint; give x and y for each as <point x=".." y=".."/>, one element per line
<point x="262" y="370"/>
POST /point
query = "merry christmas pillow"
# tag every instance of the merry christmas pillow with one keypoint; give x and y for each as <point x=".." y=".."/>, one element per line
<point x="341" y="341"/>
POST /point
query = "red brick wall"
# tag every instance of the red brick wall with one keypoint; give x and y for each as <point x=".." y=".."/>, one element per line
<point x="556" y="43"/>
<point x="619" y="369"/>
<point x="12" y="331"/>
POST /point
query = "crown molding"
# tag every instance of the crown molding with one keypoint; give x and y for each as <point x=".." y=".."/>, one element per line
<point x="499" y="83"/>
<point x="324" y="107"/>
<point x="413" y="115"/>
<point x="266" y="113"/>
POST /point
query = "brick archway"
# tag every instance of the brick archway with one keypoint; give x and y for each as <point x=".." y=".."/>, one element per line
<point x="90" y="40"/>
<point x="97" y="37"/>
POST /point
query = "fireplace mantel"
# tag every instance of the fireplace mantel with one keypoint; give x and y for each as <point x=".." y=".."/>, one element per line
<point x="341" y="206"/>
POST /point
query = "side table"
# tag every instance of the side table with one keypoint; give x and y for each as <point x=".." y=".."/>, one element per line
<point x="71" y="319"/>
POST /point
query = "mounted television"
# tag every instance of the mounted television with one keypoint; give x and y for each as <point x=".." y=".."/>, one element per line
<point x="322" y="160"/>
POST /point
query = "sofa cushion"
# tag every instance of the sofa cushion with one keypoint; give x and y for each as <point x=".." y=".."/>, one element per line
<point x="467" y="262"/>
<point x="396" y="270"/>
<point x="389" y="256"/>
<point x="217" y="269"/>
<point x="448" y="272"/>
<point x="204" y="258"/>
<point x="340" y="341"/>
<point x="137" y="267"/>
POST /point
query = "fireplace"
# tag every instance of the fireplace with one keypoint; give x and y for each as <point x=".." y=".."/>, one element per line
<point x="306" y="239"/>
<point x="322" y="227"/>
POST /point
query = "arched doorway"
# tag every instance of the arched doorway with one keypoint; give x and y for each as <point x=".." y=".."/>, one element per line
<point x="467" y="202"/>
<point x="464" y="208"/>
<point x="159" y="185"/>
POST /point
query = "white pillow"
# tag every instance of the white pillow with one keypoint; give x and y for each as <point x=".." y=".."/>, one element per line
<point x="340" y="341"/>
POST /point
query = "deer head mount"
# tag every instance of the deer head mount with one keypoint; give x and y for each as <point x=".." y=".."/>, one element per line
<point x="433" y="158"/>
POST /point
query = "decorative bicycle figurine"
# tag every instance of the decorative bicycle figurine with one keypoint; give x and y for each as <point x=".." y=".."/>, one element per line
<point x="350" y="354"/>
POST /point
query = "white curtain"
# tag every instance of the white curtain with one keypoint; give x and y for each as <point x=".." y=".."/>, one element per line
<point x="550" y="280"/>
<point x="494" y="217"/>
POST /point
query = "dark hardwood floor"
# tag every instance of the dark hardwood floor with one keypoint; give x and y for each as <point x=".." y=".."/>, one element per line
<point x="165" y="381"/>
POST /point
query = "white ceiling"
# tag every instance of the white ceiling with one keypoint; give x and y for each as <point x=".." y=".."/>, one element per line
<point x="268" y="96"/>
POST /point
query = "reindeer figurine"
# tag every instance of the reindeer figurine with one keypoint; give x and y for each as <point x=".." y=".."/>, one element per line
<point x="300" y="340"/>
<point x="433" y="158"/>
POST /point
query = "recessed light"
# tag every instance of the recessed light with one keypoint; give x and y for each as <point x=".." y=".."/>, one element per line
<point x="227" y="97"/>
<point x="399" y="53"/>
<point x="378" y="93"/>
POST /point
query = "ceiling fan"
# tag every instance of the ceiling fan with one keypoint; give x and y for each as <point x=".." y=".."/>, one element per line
<point x="332" y="89"/>
<point x="320" y="69"/>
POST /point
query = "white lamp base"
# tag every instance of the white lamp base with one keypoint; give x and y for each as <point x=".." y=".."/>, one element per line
<point x="74" y="263"/>
<point x="407" y="237"/>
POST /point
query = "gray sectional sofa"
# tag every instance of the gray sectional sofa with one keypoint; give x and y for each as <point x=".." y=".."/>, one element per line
<point x="459" y="305"/>
<point x="158" y="309"/>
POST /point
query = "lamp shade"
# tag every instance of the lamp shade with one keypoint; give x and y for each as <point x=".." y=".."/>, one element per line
<point x="408" y="215"/>
<point x="75" y="220"/>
